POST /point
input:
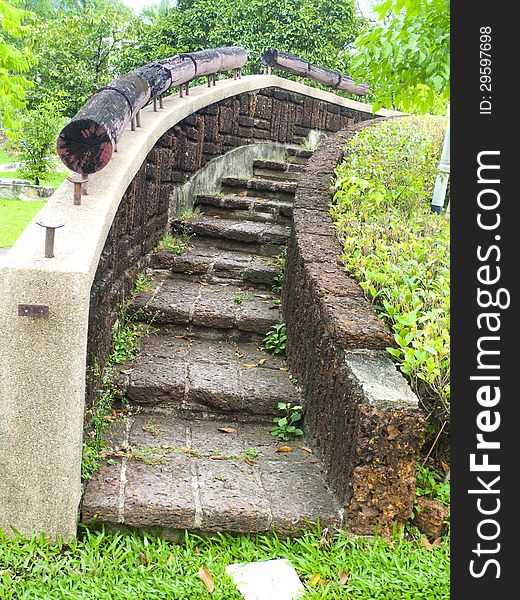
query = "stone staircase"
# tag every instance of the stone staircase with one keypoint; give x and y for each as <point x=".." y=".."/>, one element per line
<point x="197" y="452"/>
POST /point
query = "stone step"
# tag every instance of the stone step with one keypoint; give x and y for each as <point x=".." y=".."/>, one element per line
<point x="299" y="155"/>
<point x="190" y="374"/>
<point x="172" y="300"/>
<point x="172" y="474"/>
<point x="246" y="208"/>
<point x="269" y="169"/>
<point x="215" y="265"/>
<point x="264" y="239"/>
<point x="260" y="188"/>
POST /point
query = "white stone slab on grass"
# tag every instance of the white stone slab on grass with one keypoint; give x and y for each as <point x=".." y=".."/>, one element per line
<point x="267" y="580"/>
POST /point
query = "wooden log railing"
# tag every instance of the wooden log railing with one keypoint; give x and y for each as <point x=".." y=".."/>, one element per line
<point x="86" y="144"/>
<point x="291" y="63"/>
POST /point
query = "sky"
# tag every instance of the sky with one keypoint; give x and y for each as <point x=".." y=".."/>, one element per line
<point x="137" y="5"/>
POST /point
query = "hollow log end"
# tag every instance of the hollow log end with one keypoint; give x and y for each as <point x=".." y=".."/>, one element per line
<point x="84" y="146"/>
<point x="269" y="57"/>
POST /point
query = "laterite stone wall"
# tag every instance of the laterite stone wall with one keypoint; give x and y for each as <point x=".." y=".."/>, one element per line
<point x="359" y="411"/>
<point x="270" y="114"/>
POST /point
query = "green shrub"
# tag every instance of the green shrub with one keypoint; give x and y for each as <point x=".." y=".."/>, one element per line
<point x="399" y="250"/>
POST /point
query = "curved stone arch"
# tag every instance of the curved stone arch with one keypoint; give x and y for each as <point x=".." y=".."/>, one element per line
<point x="43" y="359"/>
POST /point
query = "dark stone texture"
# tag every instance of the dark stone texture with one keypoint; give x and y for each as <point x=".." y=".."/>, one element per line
<point x="431" y="517"/>
<point x="201" y="481"/>
<point x="361" y="416"/>
<point x="175" y="374"/>
<point x="184" y="301"/>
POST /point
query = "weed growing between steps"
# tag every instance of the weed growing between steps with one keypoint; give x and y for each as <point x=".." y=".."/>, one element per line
<point x="277" y="286"/>
<point x="121" y="566"/>
<point x="155" y="455"/>
<point x="276" y="338"/>
<point x="126" y="337"/>
<point x="174" y="244"/>
<point x="285" y="427"/>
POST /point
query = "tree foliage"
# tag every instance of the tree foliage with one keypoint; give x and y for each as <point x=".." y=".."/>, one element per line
<point x="13" y="60"/>
<point x="35" y="141"/>
<point x="77" y="52"/>
<point x="319" y="30"/>
<point x="405" y="58"/>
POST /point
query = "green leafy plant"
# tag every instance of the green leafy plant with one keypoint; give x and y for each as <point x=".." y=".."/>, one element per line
<point x="405" y="56"/>
<point x="252" y="453"/>
<point x="276" y="338"/>
<point x="242" y="298"/>
<point x="189" y="212"/>
<point x="432" y="485"/>
<point x="176" y="245"/>
<point x="285" y="427"/>
<point x="278" y="278"/>
<point x="34" y="140"/>
<point x="126" y="339"/>
<point x="142" y="282"/>
<point x="398" y="249"/>
<point x="14" y="61"/>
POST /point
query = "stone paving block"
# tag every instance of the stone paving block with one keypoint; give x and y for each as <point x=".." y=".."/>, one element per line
<point x="101" y="498"/>
<point x="232" y="499"/>
<point x="159" y="495"/>
<point x="181" y="486"/>
<point x="215" y="307"/>
<point x="172" y="303"/>
<point x="219" y="352"/>
<point x="214" y="386"/>
<point x="301" y="500"/>
<point x="155" y="380"/>
<point x="257" y="315"/>
<point x="253" y="354"/>
<point x="262" y="389"/>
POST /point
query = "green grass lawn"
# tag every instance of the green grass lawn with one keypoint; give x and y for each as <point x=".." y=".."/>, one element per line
<point x="5" y="158"/>
<point x="14" y="218"/>
<point x="101" y="566"/>
<point x="54" y="179"/>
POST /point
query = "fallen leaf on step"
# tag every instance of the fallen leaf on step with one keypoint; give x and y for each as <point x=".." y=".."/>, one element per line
<point x="216" y="217"/>
<point x="249" y="461"/>
<point x="306" y="449"/>
<point x="189" y="451"/>
<point x="219" y="457"/>
<point x="284" y="449"/>
<point x="343" y="578"/>
<point x="226" y="429"/>
<point x="261" y="362"/>
<point x="317" y="579"/>
<point x="284" y="369"/>
<point x="426" y="544"/>
<point x="249" y="366"/>
<point x="207" y="579"/>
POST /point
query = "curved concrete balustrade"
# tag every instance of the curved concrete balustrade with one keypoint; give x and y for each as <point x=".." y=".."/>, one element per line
<point x="42" y="358"/>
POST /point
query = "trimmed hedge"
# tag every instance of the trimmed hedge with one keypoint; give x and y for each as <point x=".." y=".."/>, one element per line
<point x="398" y="249"/>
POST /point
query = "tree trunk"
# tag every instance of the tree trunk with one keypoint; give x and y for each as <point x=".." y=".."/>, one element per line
<point x="87" y="142"/>
<point x="298" y="66"/>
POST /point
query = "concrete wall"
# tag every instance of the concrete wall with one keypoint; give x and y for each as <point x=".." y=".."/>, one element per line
<point x="42" y="359"/>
